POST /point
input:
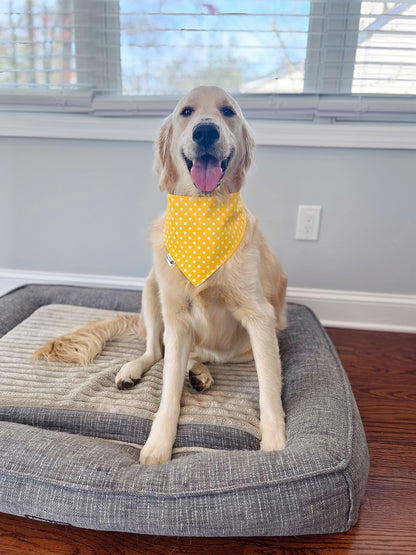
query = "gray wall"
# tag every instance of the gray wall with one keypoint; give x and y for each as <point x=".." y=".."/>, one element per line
<point x="84" y="207"/>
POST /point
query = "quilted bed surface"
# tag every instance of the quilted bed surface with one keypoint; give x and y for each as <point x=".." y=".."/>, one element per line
<point x="70" y="441"/>
<point x="39" y="393"/>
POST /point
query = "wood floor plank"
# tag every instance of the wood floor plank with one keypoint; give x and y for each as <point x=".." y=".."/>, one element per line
<point x="382" y="371"/>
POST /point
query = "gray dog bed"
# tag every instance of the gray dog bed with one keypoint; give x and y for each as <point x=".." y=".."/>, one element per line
<point x="70" y="441"/>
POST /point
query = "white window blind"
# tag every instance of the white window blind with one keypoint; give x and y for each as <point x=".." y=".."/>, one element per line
<point x="337" y="59"/>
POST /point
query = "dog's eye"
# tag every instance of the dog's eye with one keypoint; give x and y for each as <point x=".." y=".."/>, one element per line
<point x="186" y="112"/>
<point x="227" y="111"/>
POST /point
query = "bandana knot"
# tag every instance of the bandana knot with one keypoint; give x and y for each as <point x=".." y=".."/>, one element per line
<point x="201" y="233"/>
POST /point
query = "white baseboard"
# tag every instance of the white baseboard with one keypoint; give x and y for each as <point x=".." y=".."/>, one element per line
<point x="10" y="279"/>
<point x="341" y="309"/>
<point x="359" y="310"/>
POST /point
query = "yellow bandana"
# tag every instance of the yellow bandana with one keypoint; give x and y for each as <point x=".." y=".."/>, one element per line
<point x="201" y="233"/>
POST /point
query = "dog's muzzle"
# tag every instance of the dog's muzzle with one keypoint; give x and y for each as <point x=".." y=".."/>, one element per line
<point x="206" y="169"/>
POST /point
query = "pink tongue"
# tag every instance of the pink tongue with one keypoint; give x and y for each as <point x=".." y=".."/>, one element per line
<point x="206" y="173"/>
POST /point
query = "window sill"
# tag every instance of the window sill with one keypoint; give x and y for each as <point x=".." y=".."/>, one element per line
<point x="266" y="132"/>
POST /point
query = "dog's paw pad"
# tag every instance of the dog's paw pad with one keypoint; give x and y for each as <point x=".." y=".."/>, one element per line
<point x="200" y="382"/>
<point x="126" y="384"/>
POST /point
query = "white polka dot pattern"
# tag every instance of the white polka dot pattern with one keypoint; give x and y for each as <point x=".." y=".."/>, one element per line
<point x="201" y="233"/>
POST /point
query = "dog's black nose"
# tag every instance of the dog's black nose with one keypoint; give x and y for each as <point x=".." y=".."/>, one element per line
<point x="206" y="133"/>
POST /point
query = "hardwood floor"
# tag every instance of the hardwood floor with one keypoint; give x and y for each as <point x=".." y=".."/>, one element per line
<point x="382" y="370"/>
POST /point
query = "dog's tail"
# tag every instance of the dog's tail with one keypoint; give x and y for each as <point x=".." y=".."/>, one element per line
<point x="84" y="344"/>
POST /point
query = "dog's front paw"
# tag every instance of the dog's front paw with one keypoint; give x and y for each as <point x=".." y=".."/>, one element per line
<point x="200" y="378"/>
<point x="276" y="443"/>
<point x="129" y="375"/>
<point x="273" y="438"/>
<point x="155" y="453"/>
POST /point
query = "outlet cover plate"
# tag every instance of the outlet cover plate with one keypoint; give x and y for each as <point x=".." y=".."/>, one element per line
<point x="308" y="224"/>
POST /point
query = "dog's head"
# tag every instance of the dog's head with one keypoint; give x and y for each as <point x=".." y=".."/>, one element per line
<point x="204" y="147"/>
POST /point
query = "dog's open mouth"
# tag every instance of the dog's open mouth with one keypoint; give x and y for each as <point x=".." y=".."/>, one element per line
<point x="207" y="171"/>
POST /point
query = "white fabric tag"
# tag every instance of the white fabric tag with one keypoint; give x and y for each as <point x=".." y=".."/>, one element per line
<point x="170" y="260"/>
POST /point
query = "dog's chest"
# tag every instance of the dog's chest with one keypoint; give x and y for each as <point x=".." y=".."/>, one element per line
<point x="213" y="324"/>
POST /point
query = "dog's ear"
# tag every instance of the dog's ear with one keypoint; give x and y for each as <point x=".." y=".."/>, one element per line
<point x="163" y="163"/>
<point x="247" y="152"/>
<point x="248" y="147"/>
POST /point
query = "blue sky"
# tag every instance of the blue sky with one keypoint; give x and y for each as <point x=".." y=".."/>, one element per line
<point x="246" y="44"/>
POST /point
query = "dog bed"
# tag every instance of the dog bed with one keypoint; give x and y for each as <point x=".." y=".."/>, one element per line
<point x="70" y="441"/>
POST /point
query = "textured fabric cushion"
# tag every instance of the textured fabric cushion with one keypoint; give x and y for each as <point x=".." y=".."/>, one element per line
<point x="82" y="467"/>
<point x="84" y="400"/>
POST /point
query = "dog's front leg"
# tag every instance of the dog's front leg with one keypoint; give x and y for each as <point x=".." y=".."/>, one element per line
<point x="131" y="372"/>
<point x="260" y="322"/>
<point x="178" y="340"/>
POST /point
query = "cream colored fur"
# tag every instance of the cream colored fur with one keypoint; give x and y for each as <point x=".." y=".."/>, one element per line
<point x="234" y="315"/>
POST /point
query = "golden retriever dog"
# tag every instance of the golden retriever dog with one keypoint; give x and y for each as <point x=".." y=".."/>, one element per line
<point x="203" y="151"/>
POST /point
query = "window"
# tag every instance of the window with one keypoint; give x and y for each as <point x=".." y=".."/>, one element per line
<point x="385" y="60"/>
<point x="37" y="45"/>
<point x="288" y="59"/>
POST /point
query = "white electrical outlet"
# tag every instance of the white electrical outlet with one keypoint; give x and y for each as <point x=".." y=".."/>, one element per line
<point x="309" y="218"/>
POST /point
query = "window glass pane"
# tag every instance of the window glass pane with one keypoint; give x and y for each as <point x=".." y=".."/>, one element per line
<point x="170" y="46"/>
<point x="385" y="60"/>
<point x="37" y="44"/>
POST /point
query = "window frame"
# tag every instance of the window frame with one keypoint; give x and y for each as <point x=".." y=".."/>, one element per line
<point x="307" y="108"/>
<point x="319" y="64"/>
<point x="266" y="132"/>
